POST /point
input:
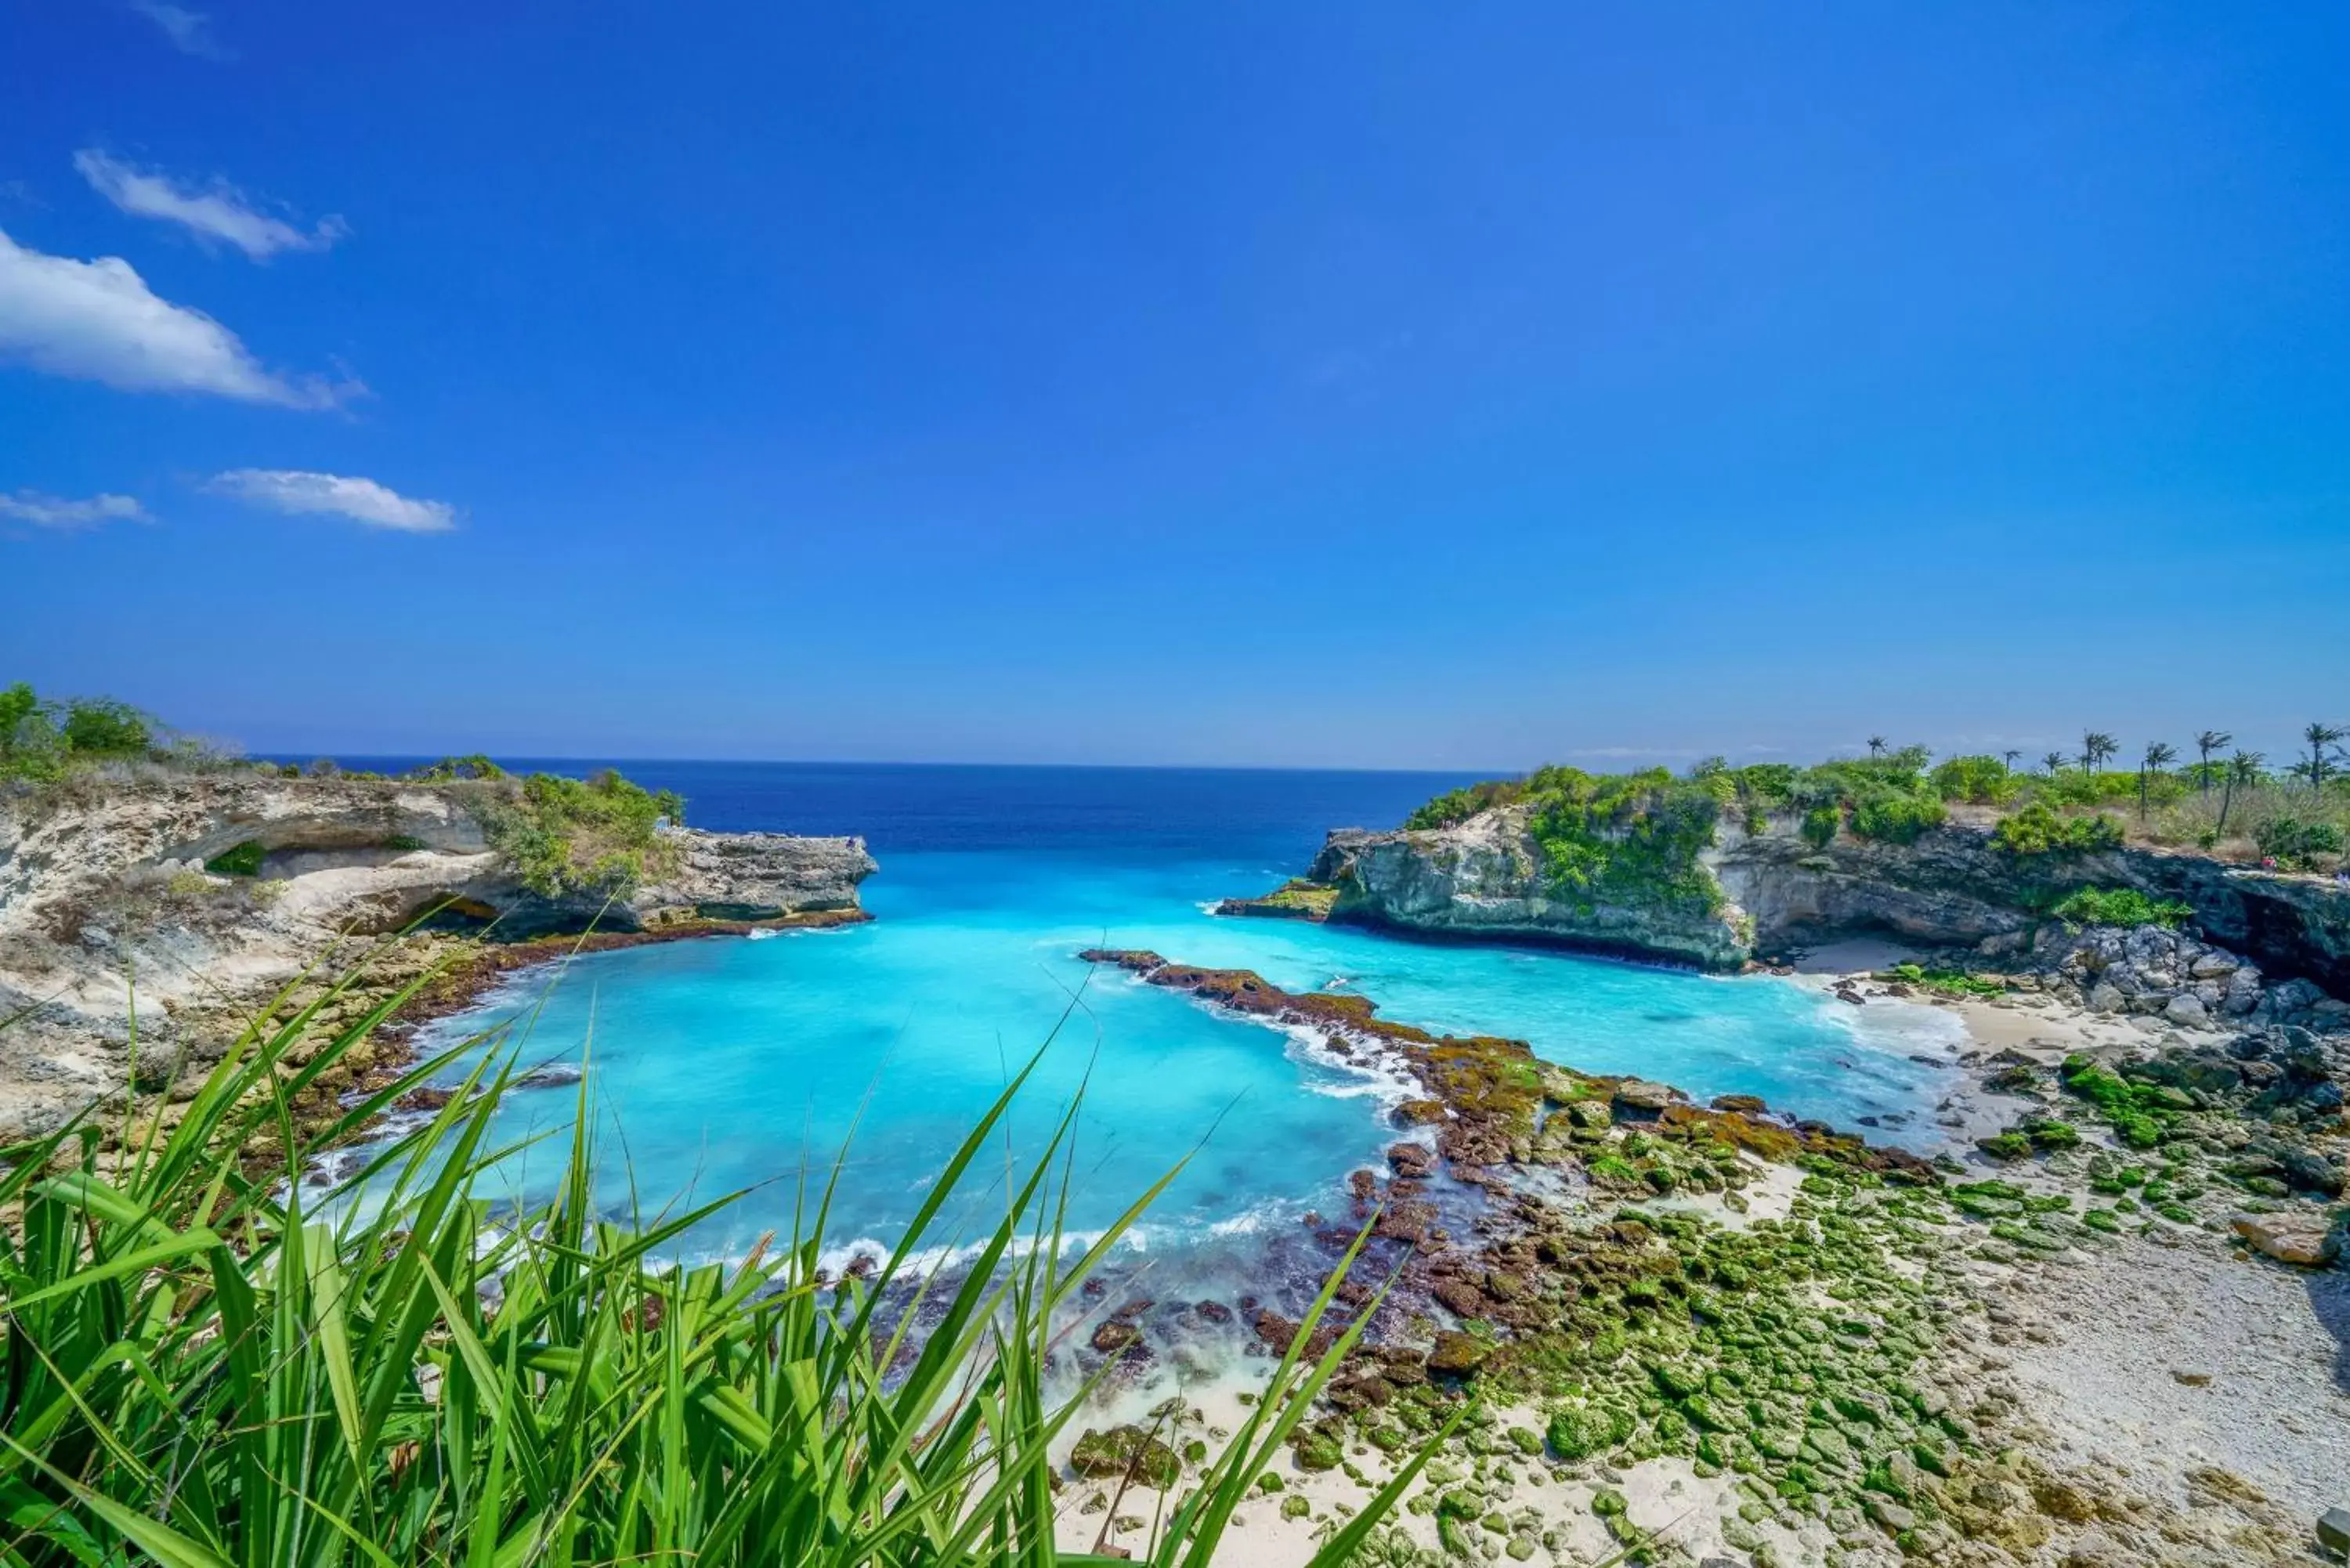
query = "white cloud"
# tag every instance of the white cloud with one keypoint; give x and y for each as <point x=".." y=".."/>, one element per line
<point x="191" y="32"/>
<point x="67" y="516"/>
<point x="361" y="500"/>
<point x="99" y="321"/>
<point x="220" y="214"/>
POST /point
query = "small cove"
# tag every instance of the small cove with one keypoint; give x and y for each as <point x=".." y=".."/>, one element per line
<point x="732" y="1064"/>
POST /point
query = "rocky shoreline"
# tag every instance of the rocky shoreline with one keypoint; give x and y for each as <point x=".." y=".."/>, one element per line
<point x="1771" y="888"/>
<point x="142" y="928"/>
<point x="1722" y="1335"/>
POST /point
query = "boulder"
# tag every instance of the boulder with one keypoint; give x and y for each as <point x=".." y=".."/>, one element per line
<point x="1458" y="1355"/>
<point x="2187" y="1010"/>
<point x="2333" y="1529"/>
<point x="1639" y="1095"/>
<point x="2300" y="1240"/>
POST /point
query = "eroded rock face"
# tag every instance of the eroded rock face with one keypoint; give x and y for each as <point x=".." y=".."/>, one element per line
<point x="108" y="914"/>
<point x="1483" y="879"/>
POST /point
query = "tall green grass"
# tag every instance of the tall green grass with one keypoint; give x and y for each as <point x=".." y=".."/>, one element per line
<point x="205" y="1362"/>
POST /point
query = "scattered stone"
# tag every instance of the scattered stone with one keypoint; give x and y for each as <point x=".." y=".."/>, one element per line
<point x="2333" y="1529"/>
<point x="2300" y="1240"/>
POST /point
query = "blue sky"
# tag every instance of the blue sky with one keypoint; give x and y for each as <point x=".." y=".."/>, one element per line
<point x="1375" y="384"/>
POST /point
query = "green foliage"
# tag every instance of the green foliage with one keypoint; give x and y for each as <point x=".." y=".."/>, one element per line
<point x="2072" y="786"/>
<point x="2038" y="830"/>
<point x="1981" y="781"/>
<point x="1892" y="818"/>
<point x="2292" y="839"/>
<point x="403" y="842"/>
<point x="42" y="739"/>
<point x="471" y="766"/>
<point x="209" y="1361"/>
<point x="2120" y="906"/>
<point x="1951" y="982"/>
<point x="238" y="860"/>
<point x="1626" y="838"/>
<point x="1820" y="826"/>
<point x="102" y="727"/>
<point x="593" y="836"/>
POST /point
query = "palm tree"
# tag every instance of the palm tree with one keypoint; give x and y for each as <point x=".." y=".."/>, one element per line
<point x="2095" y="747"/>
<point x="2054" y="763"/>
<point x="2208" y="741"/>
<point x="1876" y="745"/>
<point x="2322" y="739"/>
<point x="2008" y="760"/>
<point x="2243" y="768"/>
<point x="2158" y="756"/>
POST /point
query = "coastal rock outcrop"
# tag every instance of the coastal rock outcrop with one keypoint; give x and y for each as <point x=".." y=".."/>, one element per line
<point x="1483" y="879"/>
<point x="168" y="908"/>
<point x="1951" y="886"/>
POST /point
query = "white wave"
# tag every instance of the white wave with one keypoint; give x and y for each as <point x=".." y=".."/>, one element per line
<point x="762" y="933"/>
<point x="838" y="1260"/>
<point x="1250" y="1221"/>
<point x="1380" y="1079"/>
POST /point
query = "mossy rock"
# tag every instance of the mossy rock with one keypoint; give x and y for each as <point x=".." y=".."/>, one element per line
<point x="1314" y="1449"/>
<point x="1128" y="1449"/>
<point x="1458" y="1355"/>
<point x="1581" y="1431"/>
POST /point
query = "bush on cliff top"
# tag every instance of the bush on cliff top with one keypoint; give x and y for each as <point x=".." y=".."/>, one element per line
<point x="42" y="738"/>
<point x="1626" y="838"/>
<point x="2120" y="906"/>
<point x="2037" y="830"/>
<point x="592" y="836"/>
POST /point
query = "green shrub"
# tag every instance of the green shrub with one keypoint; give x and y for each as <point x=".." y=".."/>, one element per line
<point x="1629" y="838"/>
<point x="403" y="842"/>
<point x="2037" y="830"/>
<point x="1820" y="826"/>
<point x="1891" y="818"/>
<point x="473" y="766"/>
<point x="42" y="739"/>
<point x="1981" y="781"/>
<point x="2120" y="906"/>
<point x="239" y="860"/>
<point x="2290" y="839"/>
<point x="592" y="836"/>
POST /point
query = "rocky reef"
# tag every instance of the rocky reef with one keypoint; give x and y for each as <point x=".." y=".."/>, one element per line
<point x="150" y="920"/>
<point x="1707" y="1335"/>
<point x="1486" y="879"/>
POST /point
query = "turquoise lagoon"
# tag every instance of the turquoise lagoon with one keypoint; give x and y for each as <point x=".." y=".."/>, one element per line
<point x="736" y="1064"/>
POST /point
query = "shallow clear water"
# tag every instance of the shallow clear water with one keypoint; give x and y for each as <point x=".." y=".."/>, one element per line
<point x="733" y="1063"/>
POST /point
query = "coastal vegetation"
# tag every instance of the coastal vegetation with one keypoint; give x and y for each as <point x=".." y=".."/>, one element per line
<point x="2119" y="906"/>
<point x="597" y="836"/>
<point x="44" y="739"/>
<point x="207" y="1358"/>
<point x="1598" y="830"/>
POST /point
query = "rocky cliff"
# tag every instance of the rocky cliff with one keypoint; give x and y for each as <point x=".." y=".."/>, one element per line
<point x="109" y="917"/>
<point x="1485" y="879"/>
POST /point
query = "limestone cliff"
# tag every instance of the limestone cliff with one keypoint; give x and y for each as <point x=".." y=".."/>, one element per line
<point x="1485" y="879"/>
<point x="109" y="916"/>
